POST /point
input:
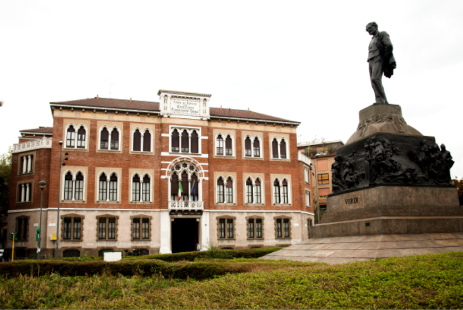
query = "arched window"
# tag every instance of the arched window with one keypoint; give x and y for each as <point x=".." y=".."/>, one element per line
<point x="175" y="141"/>
<point x="285" y="192"/>
<point x="136" y="188"/>
<point x="258" y="191"/>
<point x="104" y="138"/>
<point x="137" y="141"/>
<point x="256" y="146"/>
<point x="174" y="187"/>
<point x="220" y="191"/>
<point x="79" y="187"/>
<point x="71" y="137"/>
<point x="185" y="191"/>
<point x="113" y="187"/>
<point x="185" y="142"/>
<point x="68" y="186"/>
<point x="228" y="146"/>
<point x="247" y="147"/>
<point x="81" y="136"/>
<point x="115" y="140"/>
<point x="194" y="187"/>
<point x="275" y="148"/>
<point x="103" y="190"/>
<point x="249" y="192"/>
<point x="283" y="148"/>
<point x="147" y="141"/>
<point x="219" y="145"/>
<point x="146" y="188"/>
<point x="276" y="191"/>
<point x="194" y="142"/>
<point x="229" y="190"/>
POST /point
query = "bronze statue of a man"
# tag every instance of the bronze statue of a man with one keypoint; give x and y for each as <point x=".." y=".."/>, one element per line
<point x="380" y="60"/>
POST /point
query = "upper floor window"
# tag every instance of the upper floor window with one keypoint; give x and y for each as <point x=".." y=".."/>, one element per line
<point x="141" y="188"/>
<point x="229" y="190"/>
<point x="220" y="191"/>
<point x="185" y="141"/>
<point x="141" y="141"/>
<point x="307" y="175"/>
<point x="219" y="145"/>
<point x="74" y="187"/>
<point x="108" y="187"/>
<point x="249" y="191"/>
<point x="25" y="192"/>
<point x="76" y="139"/>
<point x="247" y="147"/>
<point x="323" y="178"/>
<point x="253" y="191"/>
<point x="109" y="139"/>
<point x="184" y="182"/>
<point x="224" y="148"/>
<point x="252" y="147"/>
<point x="280" y="192"/>
<point x="307" y="199"/>
<point x="256" y="147"/>
<point x="228" y="146"/>
<point x="225" y="191"/>
<point x="279" y="149"/>
<point x="26" y="164"/>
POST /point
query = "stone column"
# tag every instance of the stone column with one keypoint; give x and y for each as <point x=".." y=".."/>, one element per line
<point x="23" y="193"/>
<point x="107" y="190"/>
<point x="141" y="190"/>
<point x="29" y="163"/>
<point x="24" y="164"/>
<point x="73" y="194"/>
<point x="27" y="192"/>
<point x="165" y="247"/>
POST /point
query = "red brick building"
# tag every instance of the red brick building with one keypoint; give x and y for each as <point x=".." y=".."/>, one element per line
<point x="158" y="177"/>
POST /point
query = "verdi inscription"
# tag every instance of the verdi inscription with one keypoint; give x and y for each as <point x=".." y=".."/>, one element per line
<point x="184" y="106"/>
<point x="350" y="201"/>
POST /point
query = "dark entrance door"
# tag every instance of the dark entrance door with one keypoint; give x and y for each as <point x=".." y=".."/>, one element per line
<point x="184" y="235"/>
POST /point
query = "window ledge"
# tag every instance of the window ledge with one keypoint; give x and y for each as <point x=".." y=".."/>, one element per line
<point x="109" y="151"/>
<point x="68" y="240"/>
<point x="140" y="240"/>
<point x="282" y="205"/>
<point x="106" y="240"/>
<point x="23" y="202"/>
<point x="249" y="157"/>
<point x="226" y="239"/>
<point x="184" y="153"/>
<point x="225" y="204"/>
<point x="254" y="204"/>
<point x="107" y="202"/>
<point x="73" y="201"/>
<point x="27" y="173"/>
<point x="140" y="202"/>
<point x="255" y="239"/>
<point x="75" y="149"/>
<point x="141" y="153"/>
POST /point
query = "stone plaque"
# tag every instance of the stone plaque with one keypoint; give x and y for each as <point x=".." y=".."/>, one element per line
<point x="185" y="106"/>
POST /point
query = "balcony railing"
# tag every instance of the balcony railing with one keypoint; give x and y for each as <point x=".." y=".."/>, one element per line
<point x="186" y="205"/>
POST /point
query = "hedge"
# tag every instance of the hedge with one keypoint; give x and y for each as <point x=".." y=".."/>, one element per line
<point x="144" y="267"/>
<point x="222" y="254"/>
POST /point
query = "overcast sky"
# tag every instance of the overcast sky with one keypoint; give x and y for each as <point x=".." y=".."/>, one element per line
<point x="300" y="60"/>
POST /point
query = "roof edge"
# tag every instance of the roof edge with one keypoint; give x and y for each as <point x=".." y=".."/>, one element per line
<point x="174" y="92"/>
<point x="52" y="104"/>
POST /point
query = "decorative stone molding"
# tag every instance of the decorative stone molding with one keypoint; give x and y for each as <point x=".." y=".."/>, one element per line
<point x="397" y="122"/>
<point x="44" y="143"/>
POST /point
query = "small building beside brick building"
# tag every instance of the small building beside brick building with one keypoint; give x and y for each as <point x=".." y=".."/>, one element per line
<point x="322" y="156"/>
<point x="158" y="177"/>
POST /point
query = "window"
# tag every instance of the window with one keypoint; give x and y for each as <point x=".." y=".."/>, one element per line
<point x="226" y="228"/>
<point x="26" y="164"/>
<point x="136" y="188"/>
<point x="247" y="147"/>
<point x="113" y="187"/>
<point x="103" y="189"/>
<point x="71" y="253"/>
<point x="25" y="192"/>
<point x="104" y="139"/>
<point x="174" y="187"/>
<point x="229" y="190"/>
<point x="282" y="226"/>
<point x="146" y="189"/>
<point x="107" y="227"/>
<point x="283" y="149"/>
<point x="249" y="191"/>
<point x="81" y="135"/>
<point x="323" y="178"/>
<point x="307" y="175"/>
<point x="68" y="186"/>
<point x="175" y="141"/>
<point x="276" y="192"/>
<point x="228" y="146"/>
<point x="137" y="141"/>
<point x="256" y="147"/>
<point x="194" y="188"/>
<point x="79" y="187"/>
<point x="274" y="148"/>
<point x="115" y="140"/>
<point x="22" y="228"/>
<point x="307" y="199"/>
<point x="70" y="137"/>
<point x="258" y="191"/>
<point x="220" y="191"/>
<point x="285" y="192"/>
<point x="74" y="188"/>
<point x="73" y="140"/>
<point x="255" y="228"/>
<point x="194" y="142"/>
<point x="71" y="228"/>
<point x="185" y="183"/>
<point x="185" y="142"/>
<point x="141" y="228"/>
<point x="219" y="145"/>
<point x="147" y="141"/>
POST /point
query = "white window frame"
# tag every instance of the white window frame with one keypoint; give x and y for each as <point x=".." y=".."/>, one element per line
<point x="110" y="130"/>
<point x="76" y="128"/>
<point x="308" y="203"/>
<point x="142" y="132"/>
<point x="141" y="176"/>
<point x="224" y="137"/>
<point x="252" y="146"/>
<point x="280" y="182"/>
<point x="108" y="176"/>
<point x="74" y="175"/>
<point x="225" y="190"/>
<point x="180" y="130"/>
<point x="254" y="199"/>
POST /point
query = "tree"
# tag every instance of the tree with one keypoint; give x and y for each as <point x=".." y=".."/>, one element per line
<point x="5" y="176"/>
<point x="459" y="186"/>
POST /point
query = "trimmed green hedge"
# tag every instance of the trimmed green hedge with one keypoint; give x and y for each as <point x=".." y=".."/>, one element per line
<point x="210" y="254"/>
<point x="144" y="267"/>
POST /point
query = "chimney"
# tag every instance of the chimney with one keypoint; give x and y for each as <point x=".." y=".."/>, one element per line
<point x="248" y="109"/>
<point x="130" y="99"/>
<point x="96" y="96"/>
<point x="220" y="107"/>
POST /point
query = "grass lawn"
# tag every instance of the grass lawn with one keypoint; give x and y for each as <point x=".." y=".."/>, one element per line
<point x="427" y="281"/>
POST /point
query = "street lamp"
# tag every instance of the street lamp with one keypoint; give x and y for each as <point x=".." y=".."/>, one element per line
<point x="42" y="185"/>
<point x="59" y="194"/>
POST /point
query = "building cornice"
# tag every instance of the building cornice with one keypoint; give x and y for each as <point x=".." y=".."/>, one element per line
<point x="256" y="120"/>
<point x="173" y="92"/>
<point x="89" y="108"/>
<point x="44" y="143"/>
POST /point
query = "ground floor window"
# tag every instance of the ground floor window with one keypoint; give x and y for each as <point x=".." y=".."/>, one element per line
<point x="282" y="228"/>
<point x="226" y="228"/>
<point x="141" y="228"/>
<point x="72" y="227"/>
<point x="255" y="228"/>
